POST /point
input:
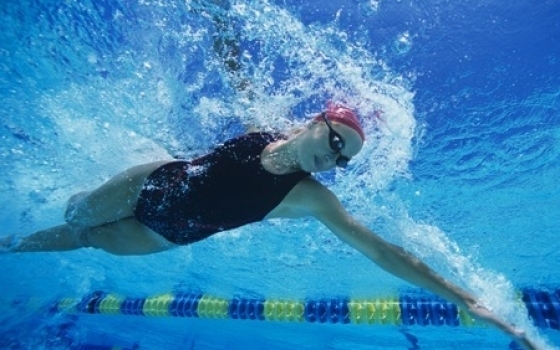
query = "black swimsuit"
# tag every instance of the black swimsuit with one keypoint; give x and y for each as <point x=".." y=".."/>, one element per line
<point x="187" y="201"/>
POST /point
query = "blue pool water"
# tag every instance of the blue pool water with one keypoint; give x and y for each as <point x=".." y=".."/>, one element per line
<point x="460" y="104"/>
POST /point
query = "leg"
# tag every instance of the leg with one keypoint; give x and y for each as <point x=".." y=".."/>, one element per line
<point x="127" y="237"/>
<point x="124" y="237"/>
<point x="112" y="201"/>
<point x="87" y="212"/>
<point x="55" y="239"/>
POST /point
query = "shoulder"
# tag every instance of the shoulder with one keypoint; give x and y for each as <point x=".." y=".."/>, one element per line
<point x="254" y="138"/>
<point x="244" y="144"/>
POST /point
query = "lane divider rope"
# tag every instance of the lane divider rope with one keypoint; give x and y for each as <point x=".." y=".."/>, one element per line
<point x="415" y="309"/>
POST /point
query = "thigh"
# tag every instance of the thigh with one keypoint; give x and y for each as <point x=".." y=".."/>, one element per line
<point x="112" y="201"/>
<point x="127" y="237"/>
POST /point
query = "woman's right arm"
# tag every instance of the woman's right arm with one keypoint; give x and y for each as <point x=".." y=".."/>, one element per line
<point x="309" y="197"/>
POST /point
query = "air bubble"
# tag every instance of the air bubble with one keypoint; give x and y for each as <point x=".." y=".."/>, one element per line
<point x="402" y="44"/>
<point x="369" y="8"/>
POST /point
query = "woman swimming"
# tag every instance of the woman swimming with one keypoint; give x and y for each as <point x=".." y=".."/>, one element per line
<point x="257" y="176"/>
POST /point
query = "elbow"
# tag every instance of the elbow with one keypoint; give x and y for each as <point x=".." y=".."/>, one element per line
<point x="368" y="243"/>
<point x="388" y="256"/>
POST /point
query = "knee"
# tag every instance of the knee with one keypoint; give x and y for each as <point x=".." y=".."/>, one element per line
<point x="75" y="208"/>
<point x="85" y="238"/>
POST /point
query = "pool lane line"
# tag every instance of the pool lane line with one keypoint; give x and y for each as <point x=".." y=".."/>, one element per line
<point x="543" y="308"/>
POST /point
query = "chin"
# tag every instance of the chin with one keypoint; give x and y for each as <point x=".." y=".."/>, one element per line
<point x="308" y="168"/>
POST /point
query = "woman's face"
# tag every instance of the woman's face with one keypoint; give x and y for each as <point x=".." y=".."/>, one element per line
<point x="315" y="153"/>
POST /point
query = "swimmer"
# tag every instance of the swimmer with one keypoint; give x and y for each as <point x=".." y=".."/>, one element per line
<point x="254" y="177"/>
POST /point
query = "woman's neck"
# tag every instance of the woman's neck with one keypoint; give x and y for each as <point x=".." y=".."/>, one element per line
<point x="280" y="157"/>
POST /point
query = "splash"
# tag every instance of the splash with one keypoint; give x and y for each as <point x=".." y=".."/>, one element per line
<point x="432" y="245"/>
<point x="294" y="69"/>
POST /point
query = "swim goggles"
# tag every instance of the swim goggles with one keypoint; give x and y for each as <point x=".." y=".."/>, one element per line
<point x="336" y="142"/>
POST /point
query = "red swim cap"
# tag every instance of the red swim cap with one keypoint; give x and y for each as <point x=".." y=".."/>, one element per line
<point x="344" y="115"/>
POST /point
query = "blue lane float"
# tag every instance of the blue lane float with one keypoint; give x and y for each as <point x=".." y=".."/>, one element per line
<point x="543" y="308"/>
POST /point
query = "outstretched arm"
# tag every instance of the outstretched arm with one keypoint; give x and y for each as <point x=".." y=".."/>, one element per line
<point x="400" y="263"/>
<point x="312" y="198"/>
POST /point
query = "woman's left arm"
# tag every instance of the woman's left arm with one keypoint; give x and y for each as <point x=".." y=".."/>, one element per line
<point x="321" y="203"/>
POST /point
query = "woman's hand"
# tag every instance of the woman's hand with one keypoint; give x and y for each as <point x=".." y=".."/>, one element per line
<point x="481" y="313"/>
